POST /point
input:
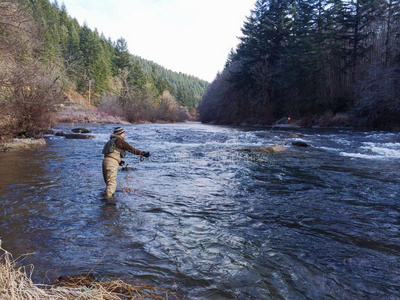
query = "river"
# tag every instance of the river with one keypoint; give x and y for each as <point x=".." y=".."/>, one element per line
<point x="209" y="219"/>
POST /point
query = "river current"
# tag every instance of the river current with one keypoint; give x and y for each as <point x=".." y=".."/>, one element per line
<point x="209" y="219"/>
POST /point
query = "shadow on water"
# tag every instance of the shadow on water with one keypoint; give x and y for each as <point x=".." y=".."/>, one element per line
<point x="217" y="222"/>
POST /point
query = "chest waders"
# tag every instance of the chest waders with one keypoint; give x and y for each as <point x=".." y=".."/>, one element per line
<point x="112" y="158"/>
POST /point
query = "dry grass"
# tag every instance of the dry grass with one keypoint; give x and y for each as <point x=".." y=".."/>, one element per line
<point x="16" y="284"/>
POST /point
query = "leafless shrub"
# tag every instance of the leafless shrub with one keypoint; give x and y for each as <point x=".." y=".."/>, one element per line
<point x="169" y="110"/>
<point x="29" y="99"/>
<point x="18" y="36"/>
<point x="111" y="105"/>
<point x="331" y="119"/>
<point x="28" y="92"/>
<point x="378" y="100"/>
<point x="137" y="107"/>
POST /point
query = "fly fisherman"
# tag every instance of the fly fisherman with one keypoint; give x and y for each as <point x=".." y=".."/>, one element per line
<point x="113" y="151"/>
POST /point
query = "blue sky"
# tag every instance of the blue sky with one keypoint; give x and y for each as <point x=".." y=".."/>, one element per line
<point x="188" y="36"/>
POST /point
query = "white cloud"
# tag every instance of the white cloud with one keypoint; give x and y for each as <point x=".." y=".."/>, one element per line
<point x="189" y="36"/>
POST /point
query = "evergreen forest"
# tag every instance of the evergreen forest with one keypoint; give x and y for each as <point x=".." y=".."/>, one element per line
<point x="313" y="62"/>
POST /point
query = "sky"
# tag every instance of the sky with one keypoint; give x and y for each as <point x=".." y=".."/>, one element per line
<point x="188" y="36"/>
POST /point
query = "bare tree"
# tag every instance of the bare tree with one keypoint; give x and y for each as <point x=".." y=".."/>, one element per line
<point x="378" y="101"/>
<point x="30" y="101"/>
<point x="29" y="91"/>
<point x="18" y="35"/>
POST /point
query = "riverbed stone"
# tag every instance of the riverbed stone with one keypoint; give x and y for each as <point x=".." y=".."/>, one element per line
<point x="77" y="136"/>
<point x="81" y="130"/>
<point x="74" y="136"/>
<point x="300" y="144"/>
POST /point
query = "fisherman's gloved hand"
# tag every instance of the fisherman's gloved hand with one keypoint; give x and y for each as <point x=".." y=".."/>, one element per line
<point x="121" y="163"/>
<point x="146" y="154"/>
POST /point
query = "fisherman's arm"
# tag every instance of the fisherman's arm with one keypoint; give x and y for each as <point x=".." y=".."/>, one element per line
<point x="121" y="144"/>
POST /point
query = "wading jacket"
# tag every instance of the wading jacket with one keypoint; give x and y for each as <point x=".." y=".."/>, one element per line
<point x="116" y="148"/>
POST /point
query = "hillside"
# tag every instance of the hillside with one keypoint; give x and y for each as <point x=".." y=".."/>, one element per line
<point x="45" y="51"/>
<point x="85" y="55"/>
<point x="187" y="89"/>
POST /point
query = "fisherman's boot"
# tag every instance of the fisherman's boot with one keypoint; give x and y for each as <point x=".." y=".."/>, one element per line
<point x="111" y="200"/>
<point x="109" y="197"/>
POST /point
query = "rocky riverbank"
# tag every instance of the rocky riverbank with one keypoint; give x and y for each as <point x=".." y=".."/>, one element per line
<point x="22" y="144"/>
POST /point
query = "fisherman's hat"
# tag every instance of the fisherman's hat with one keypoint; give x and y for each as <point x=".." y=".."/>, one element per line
<point x="118" y="130"/>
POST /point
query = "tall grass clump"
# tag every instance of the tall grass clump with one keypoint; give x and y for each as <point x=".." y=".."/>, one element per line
<point x="16" y="284"/>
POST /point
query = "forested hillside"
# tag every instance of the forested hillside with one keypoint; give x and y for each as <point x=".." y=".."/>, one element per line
<point x="321" y="62"/>
<point x="48" y="53"/>
<point x="187" y="89"/>
<point x="86" y="55"/>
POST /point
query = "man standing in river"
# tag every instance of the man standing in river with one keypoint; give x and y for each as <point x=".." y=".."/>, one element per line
<point x="113" y="151"/>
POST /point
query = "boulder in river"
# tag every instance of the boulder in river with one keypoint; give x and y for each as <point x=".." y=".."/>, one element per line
<point x="267" y="149"/>
<point x="300" y="144"/>
<point x="75" y="136"/>
<point x="81" y="130"/>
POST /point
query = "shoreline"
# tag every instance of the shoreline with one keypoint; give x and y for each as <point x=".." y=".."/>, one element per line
<point x="96" y="117"/>
<point x="299" y="127"/>
<point x="75" y="114"/>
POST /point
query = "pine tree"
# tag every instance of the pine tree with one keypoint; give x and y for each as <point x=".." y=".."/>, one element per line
<point x="122" y="57"/>
<point x="95" y="60"/>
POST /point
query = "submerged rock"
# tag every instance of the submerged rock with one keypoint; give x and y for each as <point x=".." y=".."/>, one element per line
<point x="267" y="149"/>
<point x="300" y="144"/>
<point x="81" y="130"/>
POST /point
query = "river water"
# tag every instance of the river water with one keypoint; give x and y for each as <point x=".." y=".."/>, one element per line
<point x="209" y="219"/>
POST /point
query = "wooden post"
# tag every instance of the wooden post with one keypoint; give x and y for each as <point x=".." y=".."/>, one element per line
<point x="90" y="85"/>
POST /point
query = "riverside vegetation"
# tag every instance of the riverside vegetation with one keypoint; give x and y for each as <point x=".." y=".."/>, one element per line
<point x="321" y="62"/>
<point x="16" y="284"/>
<point x="45" y="55"/>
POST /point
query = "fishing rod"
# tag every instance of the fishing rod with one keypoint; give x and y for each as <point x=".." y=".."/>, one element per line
<point x="276" y="124"/>
<point x="125" y="167"/>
